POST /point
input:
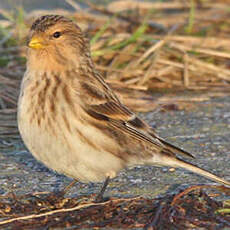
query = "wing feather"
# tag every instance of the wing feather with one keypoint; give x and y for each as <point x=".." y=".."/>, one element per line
<point x="103" y="105"/>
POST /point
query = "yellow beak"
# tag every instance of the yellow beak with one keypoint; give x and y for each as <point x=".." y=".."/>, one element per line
<point x="36" y="43"/>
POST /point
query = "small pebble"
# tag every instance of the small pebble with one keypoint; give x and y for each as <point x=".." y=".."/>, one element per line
<point x="172" y="170"/>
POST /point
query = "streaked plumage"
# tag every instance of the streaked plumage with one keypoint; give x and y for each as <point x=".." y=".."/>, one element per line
<point x="72" y="121"/>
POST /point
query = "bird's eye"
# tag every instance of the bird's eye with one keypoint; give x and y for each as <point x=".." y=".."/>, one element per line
<point x="57" y="34"/>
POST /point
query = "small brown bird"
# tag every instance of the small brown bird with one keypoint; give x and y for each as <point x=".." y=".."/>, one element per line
<point x="72" y="121"/>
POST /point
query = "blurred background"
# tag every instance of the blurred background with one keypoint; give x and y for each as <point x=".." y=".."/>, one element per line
<point x="146" y="44"/>
<point x="29" y="5"/>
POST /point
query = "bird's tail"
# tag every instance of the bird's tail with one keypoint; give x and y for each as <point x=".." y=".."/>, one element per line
<point x="178" y="163"/>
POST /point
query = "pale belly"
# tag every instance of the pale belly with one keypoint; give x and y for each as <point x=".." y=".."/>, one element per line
<point x="79" y="160"/>
<point x="65" y="151"/>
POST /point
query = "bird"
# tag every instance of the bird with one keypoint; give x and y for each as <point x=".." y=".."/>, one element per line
<point x="73" y="122"/>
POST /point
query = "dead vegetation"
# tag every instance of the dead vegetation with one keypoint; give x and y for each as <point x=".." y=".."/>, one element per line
<point x="139" y="46"/>
<point x="188" y="209"/>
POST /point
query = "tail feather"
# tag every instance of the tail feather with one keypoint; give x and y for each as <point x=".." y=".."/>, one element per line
<point x="175" y="149"/>
<point x="178" y="163"/>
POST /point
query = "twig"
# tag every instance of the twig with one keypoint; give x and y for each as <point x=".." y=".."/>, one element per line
<point x="61" y="211"/>
<point x="188" y="190"/>
<point x="186" y="74"/>
<point x="74" y="5"/>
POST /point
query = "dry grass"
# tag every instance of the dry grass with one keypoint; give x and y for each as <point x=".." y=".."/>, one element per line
<point x="138" y="46"/>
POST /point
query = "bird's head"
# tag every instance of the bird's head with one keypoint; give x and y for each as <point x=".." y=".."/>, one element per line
<point x="57" y="41"/>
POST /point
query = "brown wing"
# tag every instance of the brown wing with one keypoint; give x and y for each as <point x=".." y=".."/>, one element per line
<point x="101" y="104"/>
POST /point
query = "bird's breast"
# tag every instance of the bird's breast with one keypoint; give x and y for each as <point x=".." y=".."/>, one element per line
<point x="52" y="128"/>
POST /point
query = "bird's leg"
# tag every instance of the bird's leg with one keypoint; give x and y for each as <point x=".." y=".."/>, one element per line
<point x="59" y="195"/>
<point x="99" y="197"/>
<point x="68" y="187"/>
